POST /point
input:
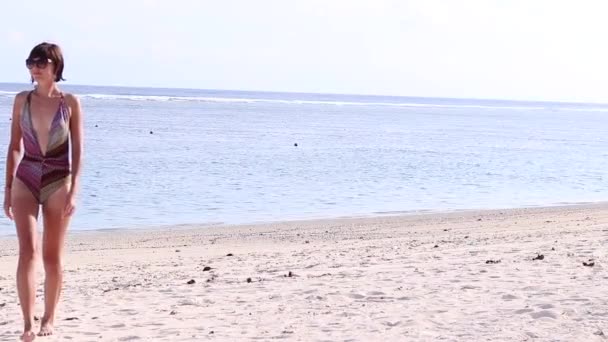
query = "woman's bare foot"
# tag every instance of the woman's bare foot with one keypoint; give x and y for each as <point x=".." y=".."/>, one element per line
<point x="46" y="327"/>
<point x="28" y="336"/>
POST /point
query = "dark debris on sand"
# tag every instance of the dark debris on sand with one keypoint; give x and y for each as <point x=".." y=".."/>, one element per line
<point x="493" y="261"/>
<point x="112" y="289"/>
<point x="539" y="257"/>
<point x="591" y="263"/>
<point x="206" y="268"/>
<point x="191" y="281"/>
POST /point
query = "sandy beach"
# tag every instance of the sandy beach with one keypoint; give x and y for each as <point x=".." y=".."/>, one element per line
<point x="500" y="275"/>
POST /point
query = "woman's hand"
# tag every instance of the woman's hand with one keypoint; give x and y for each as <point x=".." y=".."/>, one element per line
<point x="70" y="204"/>
<point x="7" y="203"/>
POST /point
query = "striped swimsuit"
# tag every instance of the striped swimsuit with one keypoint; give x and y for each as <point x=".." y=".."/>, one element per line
<point x="44" y="173"/>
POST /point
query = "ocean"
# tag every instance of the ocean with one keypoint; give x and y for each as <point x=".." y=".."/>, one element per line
<point x="156" y="157"/>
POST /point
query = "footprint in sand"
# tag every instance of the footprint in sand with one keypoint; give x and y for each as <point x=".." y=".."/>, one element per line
<point x="375" y="293"/>
<point x="129" y="312"/>
<point x="523" y="311"/>
<point x="356" y="296"/>
<point x="543" y="314"/>
<point x="546" y="306"/>
<point x="392" y="324"/>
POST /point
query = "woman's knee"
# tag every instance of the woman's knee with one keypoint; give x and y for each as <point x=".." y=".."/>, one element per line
<point x="27" y="250"/>
<point x="51" y="259"/>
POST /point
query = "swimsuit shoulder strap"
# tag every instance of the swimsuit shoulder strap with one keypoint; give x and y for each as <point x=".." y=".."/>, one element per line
<point x="29" y="97"/>
<point x="63" y="104"/>
<point x="26" y="106"/>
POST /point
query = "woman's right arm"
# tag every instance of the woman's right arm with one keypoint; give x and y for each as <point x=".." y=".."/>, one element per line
<point x="14" y="148"/>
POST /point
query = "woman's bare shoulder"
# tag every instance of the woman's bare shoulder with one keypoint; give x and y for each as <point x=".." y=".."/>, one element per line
<point x="21" y="96"/>
<point x="72" y="99"/>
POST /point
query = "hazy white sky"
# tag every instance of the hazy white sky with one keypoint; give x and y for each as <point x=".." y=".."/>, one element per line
<point x="513" y="49"/>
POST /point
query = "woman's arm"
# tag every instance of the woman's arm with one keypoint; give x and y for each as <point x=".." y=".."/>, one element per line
<point x="77" y="134"/>
<point x="14" y="151"/>
<point x="14" y="147"/>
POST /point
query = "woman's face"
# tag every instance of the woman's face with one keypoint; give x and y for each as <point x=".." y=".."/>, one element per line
<point x="41" y="69"/>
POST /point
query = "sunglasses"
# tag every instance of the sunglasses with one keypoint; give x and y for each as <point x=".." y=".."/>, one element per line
<point x="40" y="63"/>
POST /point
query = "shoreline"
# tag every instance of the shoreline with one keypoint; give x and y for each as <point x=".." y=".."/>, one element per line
<point x="320" y="219"/>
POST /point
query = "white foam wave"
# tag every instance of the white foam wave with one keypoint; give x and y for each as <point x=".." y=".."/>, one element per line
<point x="211" y="99"/>
<point x="294" y="102"/>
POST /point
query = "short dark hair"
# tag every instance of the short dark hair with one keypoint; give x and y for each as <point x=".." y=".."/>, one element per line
<point x="53" y="52"/>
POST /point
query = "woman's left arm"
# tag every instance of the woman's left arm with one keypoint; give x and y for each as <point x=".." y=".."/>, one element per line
<point x="77" y="134"/>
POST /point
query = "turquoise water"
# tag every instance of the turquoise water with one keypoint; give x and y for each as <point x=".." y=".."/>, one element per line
<point x="171" y="156"/>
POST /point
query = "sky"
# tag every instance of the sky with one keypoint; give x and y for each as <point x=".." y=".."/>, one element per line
<point x="502" y="49"/>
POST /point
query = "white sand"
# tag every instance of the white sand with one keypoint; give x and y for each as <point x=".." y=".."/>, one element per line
<point x="372" y="279"/>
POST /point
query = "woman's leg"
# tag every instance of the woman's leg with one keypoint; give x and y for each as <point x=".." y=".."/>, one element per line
<point x="25" y="212"/>
<point x="55" y="227"/>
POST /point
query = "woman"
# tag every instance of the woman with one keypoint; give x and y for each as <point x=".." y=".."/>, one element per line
<point x="47" y="122"/>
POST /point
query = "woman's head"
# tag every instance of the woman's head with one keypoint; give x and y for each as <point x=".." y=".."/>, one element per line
<point x="45" y="63"/>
